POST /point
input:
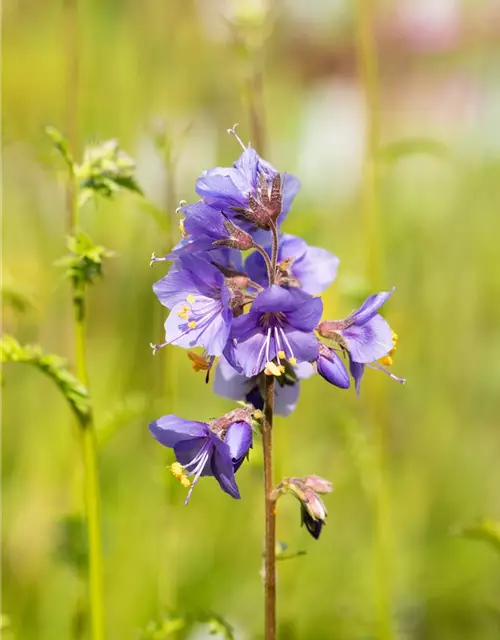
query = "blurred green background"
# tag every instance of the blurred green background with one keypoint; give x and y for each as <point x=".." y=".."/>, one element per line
<point x="178" y="66"/>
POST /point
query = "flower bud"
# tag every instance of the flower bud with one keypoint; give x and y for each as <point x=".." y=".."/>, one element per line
<point x="312" y="509"/>
<point x="331" y="368"/>
<point x="238" y="238"/>
<point x="318" y="484"/>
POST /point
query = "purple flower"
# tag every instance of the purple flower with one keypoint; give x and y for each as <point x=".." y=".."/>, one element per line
<point x="364" y="335"/>
<point x="331" y="368"/>
<point x="250" y="188"/>
<point x="195" y="292"/>
<point x="311" y="268"/>
<point x="280" y="325"/>
<point x="206" y="449"/>
<point x="228" y="383"/>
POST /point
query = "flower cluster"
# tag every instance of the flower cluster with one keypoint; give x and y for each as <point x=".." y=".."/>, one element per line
<point x="245" y="292"/>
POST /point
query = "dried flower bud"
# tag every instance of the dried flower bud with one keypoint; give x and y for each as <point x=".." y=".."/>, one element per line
<point x="312" y="509"/>
<point x="318" y="484"/>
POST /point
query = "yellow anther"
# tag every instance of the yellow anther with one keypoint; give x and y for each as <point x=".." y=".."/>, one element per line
<point x="386" y="360"/>
<point x="192" y="324"/>
<point x="177" y="469"/>
<point x="191" y="299"/>
<point x="183" y="313"/>
<point x="185" y="481"/>
<point x="183" y="231"/>
<point x="272" y="370"/>
<point x="281" y="354"/>
<point x="258" y="415"/>
<point x="199" y="362"/>
<point x="292" y="361"/>
<point x="281" y="368"/>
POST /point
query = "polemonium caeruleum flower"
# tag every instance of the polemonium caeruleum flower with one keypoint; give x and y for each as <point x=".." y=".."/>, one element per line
<point x="366" y="337"/>
<point x="311" y="268"/>
<point x="279" y="326"/>
<point x="251" y="190"/>
<point x="213" y="449"/>
<point x="200" y="302"/>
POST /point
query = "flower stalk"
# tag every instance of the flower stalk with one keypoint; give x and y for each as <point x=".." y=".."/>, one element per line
<point x="89" y="450"/>
<point x="270" y="513"/>
<point x="269" y="497"/>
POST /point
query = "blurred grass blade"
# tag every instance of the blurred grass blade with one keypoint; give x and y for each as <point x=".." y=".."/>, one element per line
<point x="53" y="366"/>
<point x="486" y="530"/>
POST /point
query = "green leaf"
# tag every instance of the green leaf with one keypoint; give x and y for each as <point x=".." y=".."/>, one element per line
<point x="486" y="530"/>
<point x="84" y="262"/>
<point x="54" y="367"/>
<point x="61" y="144"/>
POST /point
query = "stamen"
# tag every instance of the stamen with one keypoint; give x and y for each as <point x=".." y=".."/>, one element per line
<point x="191" y="299"/>
<point x="182" y="230"/>
<point x="177" y="471"/>
<point x="183" y="313"/>
<point x="265" y="346"/>
<point x="291" y="359"/>
<point x="376" y="366"/>
<point x="155" y="259"/>
<point x="157" y="347"/>
<point x="273" y="370"/>
<point x="199" y="362"/>
<point x="233" y="133"/>
<point x="202" y="457"/>
<point x="281" y="354"/>
<point x="182" y="203"/>
<point x="192" y="324"/>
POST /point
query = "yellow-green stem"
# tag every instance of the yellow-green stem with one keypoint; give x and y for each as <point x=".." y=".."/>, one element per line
<point x="89" y="455"/>
<point x="367" y="59"/>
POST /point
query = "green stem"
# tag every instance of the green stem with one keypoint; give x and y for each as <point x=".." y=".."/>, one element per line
<point x="270" y="514"/>
<point x="89" y="455"/>
<point x="367" y="58"/>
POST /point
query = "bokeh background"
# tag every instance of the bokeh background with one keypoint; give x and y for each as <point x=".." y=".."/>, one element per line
<point x="182" y="72"/>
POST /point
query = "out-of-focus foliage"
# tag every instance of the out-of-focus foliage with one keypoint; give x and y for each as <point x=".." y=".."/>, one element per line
<point x="485" y="530"/>
<point x="172" y="624"/>
<point x="52" y="366"/>
<point x="84" y="262"/>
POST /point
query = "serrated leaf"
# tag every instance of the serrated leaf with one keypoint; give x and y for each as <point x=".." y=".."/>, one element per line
<point x="84" y="262"/>
<point x="486" y="530"/>
<point x="54" y="367"/>
<point x="61" y="144"/>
